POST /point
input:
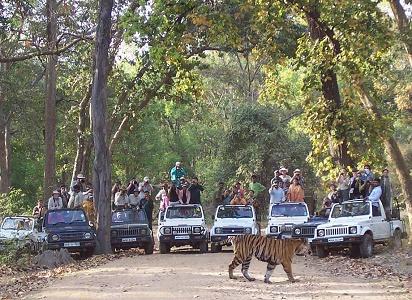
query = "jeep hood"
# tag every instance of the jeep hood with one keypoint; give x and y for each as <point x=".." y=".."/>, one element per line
<point x="233" y="222"/>
<point x="287" y="220"/>
<point x="183" y="222"/>
<point x="57" y="229"/>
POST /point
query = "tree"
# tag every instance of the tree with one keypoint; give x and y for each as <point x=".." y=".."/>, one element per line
<point x="50" y="102"/>
<point x="101" y="164"/>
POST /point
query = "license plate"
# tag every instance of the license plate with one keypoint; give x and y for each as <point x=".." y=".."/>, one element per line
<point x="230" y="236"/>
<point x="128" y="240"/>
<point x="74" y="244"/>
<point x="339" y="239"/>
<point x="182" y="237"/>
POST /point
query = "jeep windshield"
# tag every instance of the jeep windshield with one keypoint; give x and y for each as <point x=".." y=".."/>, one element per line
<point x="129" y="217"/>
<point x="65" y="217"/>
<point x="17" y="224"/>
<point x="234" y="212"/>
<point x="182" y="212"/>
<point x="350" y="209"/>
<point x="289" y="210"/>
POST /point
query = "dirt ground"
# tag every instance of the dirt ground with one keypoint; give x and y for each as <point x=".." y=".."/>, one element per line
<point x="190" y="275"/>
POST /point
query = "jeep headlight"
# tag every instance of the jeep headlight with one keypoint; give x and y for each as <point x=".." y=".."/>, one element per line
<point x="197" y="229"/>
<point x="143" y="231"/>
<point x="167" y="230"/>
<point x="218" y="230"/>
<point x="248" y="230"/>
<point x="321" y="232"/>
<point x="87" y="235"/>
<point x="353" y="230"/>
<point x="55" y="237"/>
<point x="273" y="229"/>
<point x="297" y="231"/>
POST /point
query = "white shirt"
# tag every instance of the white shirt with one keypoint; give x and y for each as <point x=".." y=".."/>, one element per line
<point x="55" y="203"/>
<point x="375" y="195"/>
<point x="76" y="200"/>
<point x="134" y="200"/>
<point x="276" y="195"/>
<point x="120" y="199"/>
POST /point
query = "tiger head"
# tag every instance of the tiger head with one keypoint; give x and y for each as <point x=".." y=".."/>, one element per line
<point x="302" y="247"/>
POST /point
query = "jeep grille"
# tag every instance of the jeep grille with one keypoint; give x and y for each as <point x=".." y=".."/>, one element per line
<point x="128" y="232"/>
<point x="71" y="236"/>
<point x="233" y="230"/>
<point x="337" y="231"/>
<point x="182" y="230"/>
<point x="286" y="228"/>
<point x="309" y="231"/>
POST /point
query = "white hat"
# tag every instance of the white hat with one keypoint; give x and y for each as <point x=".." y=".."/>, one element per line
<point x="56" y="192"/>
<point x="80" y="176"/>
<point x="296" y="171"/>
<point x="178" y="163"/>
<point x="146" y="179"/>
<point x="283" y="169"/>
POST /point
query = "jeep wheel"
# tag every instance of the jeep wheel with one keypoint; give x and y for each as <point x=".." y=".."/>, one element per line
<point x="355" y="251"/>
<point x="148" y="248"/>
<point x="86" y="253"/>
<point x="164" y="248"/>
<point x="366" y="246"/>
<point x="203" y="247"/>
<point x="313" y="250"/>
<point x="396" y="240"/>
<point x="321" y="251"/>
<point x="214" y="247"/>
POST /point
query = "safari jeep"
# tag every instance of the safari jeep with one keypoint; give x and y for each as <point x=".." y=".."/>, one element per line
<point x="283" y="216"/>
<point x="352" y="225"/>
<point x="70" y="229"/>
<point x="183" y="225"/>
<point x="231" y="220"/>
<point x="22" y="230"/>
<point x="130" y="229"/>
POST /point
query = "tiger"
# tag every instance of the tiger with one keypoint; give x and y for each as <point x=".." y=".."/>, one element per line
<point x="272" y="251"/>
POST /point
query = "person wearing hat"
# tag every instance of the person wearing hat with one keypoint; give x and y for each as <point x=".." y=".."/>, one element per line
<point x="375" y="196"/>
<point x="76" y="198"/>
<point x="121" y="200"/>
<point x="184" y="194"/>
<point x="55" y="201"/>
<point x="298" y="174"/>
<point x="81" y="182"/>
<point x="144" y="187"/>
<point x="176" y="173"/>
<point x="284" y="175"/>
<point x="276" y="193"/>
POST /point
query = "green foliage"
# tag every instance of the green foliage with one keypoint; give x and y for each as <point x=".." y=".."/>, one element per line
<point x="14" y="255"/>
<point x="15" y="203"/>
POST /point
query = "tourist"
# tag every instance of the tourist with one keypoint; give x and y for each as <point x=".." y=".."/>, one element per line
<point x="39" y="210"/>
<point x="121" y="200"/>
<point x="375" y="196"/>
<point x="386" y="197"/>
<point x="343" y="185"/>
<point x="276" y="193"/>
<point x="295" y="192"/>
<point x="147" y="205"/>
<point x="184" y="194"/>
<point x="144" y="187"/>
<point x="64" y="195"/>
<point x="134" y="199"/>
<point x="76" y="198"/>
<point x="173" y="194"/>
<point x="176" y="173"/>
<point x="55" y="201"/>
<point x="195" y="189"/>
<point x="356" y="187"/>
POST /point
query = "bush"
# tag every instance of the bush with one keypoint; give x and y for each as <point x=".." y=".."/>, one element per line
<point x="15" y="255"/>
<point x="15" y="203"/>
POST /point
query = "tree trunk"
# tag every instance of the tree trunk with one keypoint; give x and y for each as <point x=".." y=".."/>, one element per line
<point x="403" y="25"/>
<point x="394" y="153"/>
<point x="101" y="165"/>
<point x="85" y="170"/>
<point x="50" y="102"/>
<point x="330" y="91"/>
<point x="5" y="149"/>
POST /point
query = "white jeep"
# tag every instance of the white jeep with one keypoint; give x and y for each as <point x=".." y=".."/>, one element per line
<point x="22" y="230"/>
<point x="353" y="225"/>
<point x="283" y="216"/>
<point x="231" y="220"/>
<point x="183" y="225"/>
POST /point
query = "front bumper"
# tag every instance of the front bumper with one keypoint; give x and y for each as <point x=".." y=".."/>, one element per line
<point x="83" y="245"/>
<point x="338" y="242"/>
<point x="120" y="242"/>
<point x="182" y="240"/>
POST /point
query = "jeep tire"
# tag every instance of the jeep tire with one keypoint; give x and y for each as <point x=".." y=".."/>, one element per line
<point x="321" y="251"/>
<point x="148" y="248"/>
<point x="203" y="247"/>
<point x="355" y="251"/>
<point x="164" y="248"/>
<point x="366" y="246"/>
<point x="215" y="247"/>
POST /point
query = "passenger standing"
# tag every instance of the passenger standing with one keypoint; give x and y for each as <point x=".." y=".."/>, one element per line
<point x="55" y="202"/>
<point x="173" y="195"/>
<point x="184" y="194"/>
<point x="333" y="195"/>
<point x="255" y="186"/>
<point x="276" y="177"/>
<point x="144" y="187"/>
<point x="39" y="210"/>
<point x="64" y="195"/>
<point x="218" y="196"/>
<point x="163" y="191"/>
<point x="356" y="187"/>
<point x="77" y="198"/>
<point x="81" y="182"/>
<point x="375" y="196"/>
<point x="298" y="175"/>
<point x="115" y="188"/>
<point x="121" y="199"/>
<point x="147" y="205"/>
<point x="195" y="189"/>
<point x="284" y="175"/>
<point x="134" y="199"/>
<point x="295" y="192"/>
<point x="176" y="173"/>
<point x="367" y="175"/>
<point x="343" y="181"/>
<point x="277" y="194"/>
<point x="133" y="185"/>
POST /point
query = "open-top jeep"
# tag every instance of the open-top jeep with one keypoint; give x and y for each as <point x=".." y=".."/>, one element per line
<point x="23" y="231"/>
<point x="130" y="229"/>
<point x="231" y="220"/>
<point x="183" y="225"/>
<point x="70" y="229"/>
<point x="353" y="225"/>
<point x="283" y="216"/>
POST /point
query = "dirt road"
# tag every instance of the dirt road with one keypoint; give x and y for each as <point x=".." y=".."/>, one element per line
<point x="190" y="275"/>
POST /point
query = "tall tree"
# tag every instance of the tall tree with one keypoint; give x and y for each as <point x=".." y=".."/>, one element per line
<point x="5" y="148"/>
<point x="50" y="101"/>
<point x="101" y="165"/>
<point x="404" y="26"/>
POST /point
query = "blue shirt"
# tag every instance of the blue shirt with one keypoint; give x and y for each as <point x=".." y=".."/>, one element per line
<point x="375" y="195"/>
<point x="276" y="195"/>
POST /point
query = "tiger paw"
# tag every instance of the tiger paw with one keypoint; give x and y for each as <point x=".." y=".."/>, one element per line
<point x="267" y="281"/>
<point x="251" y="279"/>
